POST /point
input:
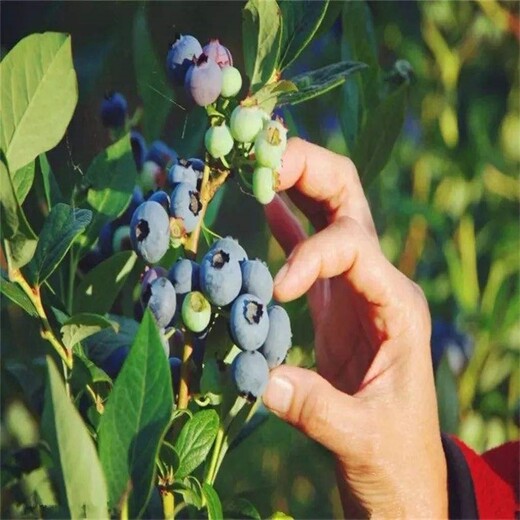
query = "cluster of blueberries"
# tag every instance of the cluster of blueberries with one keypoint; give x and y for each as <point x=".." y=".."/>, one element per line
<point x="207" y="74"/>
<point x="225" y="282"/>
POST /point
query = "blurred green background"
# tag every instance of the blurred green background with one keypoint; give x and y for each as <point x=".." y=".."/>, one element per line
<point x="446" y="205"/>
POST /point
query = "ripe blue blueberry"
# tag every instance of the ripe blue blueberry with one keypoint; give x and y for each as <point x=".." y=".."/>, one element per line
<point x="150" y="231"/>
<point x="180" y="56"/>
<point x="184" y="275"/>
<point x="279" y="337"/>
<point x="186" y="205"/>
<point x="218" y="140"/>
<point x="175" y="367"/>
<point x="114" y="362"/>
<point x="159" y="297"/>
<point x="135" y="201"/>
<point x="138" y="149"/>
<point x="204" y="81"/>
<point x="257" y="280"/>
<point x="182" y="172"/>
<point x="232" y="247"/>
<point x="197" y="165"/>
<point x="161" y="154"/>
<point x="249" y="322"/>
<point x="220" y="274"/>
<point x="106" y="234"/>
<point x="218" y="53"/>
<point x="113" y="110"/>
<point x="162" y="198"/>
<point x="150" y="275"/>
<point x="250" y="374"/>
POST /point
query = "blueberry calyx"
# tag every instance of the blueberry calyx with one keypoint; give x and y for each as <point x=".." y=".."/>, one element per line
<point x="142" y="230"/>
<point x="220" y="259"/>
<point x="195" y="203"/>
<point x="253" y="311"/>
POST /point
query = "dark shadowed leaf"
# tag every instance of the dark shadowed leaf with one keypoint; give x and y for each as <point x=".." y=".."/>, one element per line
<point x="195" y="441"/>
<point x="240" y="508"/>
<point x="152" y="83"/>
<point x="379" y="134"/>
<point x="100" y="286"/>
<point x="61" y="227"/>
<point x="136" y="416"/>
<point x="317" y="82"/>
<point x="76" y="468"/>
<point x="261" y="32"/>
<point x="300" y="22"/>
<point x="52" y="191"/>
<point x="16" y="295"/>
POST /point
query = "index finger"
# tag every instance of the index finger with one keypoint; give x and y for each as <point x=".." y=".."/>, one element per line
<point x="328" y="182"/>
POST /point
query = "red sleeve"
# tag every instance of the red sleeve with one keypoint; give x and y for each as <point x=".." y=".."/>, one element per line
<point x="495" y="476"/>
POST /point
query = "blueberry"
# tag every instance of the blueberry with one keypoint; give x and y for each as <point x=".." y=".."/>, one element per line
<point x="246" y="122"/>
<point x="204" y="81"/>
<point x="121" y="239"/>
<point x="186" y="205"/>
<point x="162" y="198"/>
<point x="150" y="231"/>
<point x="114" y="362"/>
<point x="231" y="82"/>
<point x="249" y="322"/>
<point x="220" y="274"/>
<point x="197" y="164"/>
<point x="182" y="172"/>
<point x="180" y="56"/>
<point x="218" y="140"/>
<point x="250" y="374"/>
<point x="106" y="234"/>
<point x="184" y="275"/>
<point x="257" y="280"/>
<point x="270" y="145"/>
<point x="232" y="247"/>
<point x="138" y="149"/>
<point x="160" y="298"/>
<point x="263" y="184"/>
<point x="279" y="337"/>
<point x="196" y="311"/>
<point x="218" y="53"/>
<point x="150" y="275"/>
<point x="175" y="367"/>
<point x="113" y="110"/>
<point x="149" y="179"/>
<point x="160" y="153"/>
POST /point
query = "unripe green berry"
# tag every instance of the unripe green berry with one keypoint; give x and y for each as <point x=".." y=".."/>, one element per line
<point x="270" y="144"/>
<point x="196" y="311"/>
<point x="263" y="184"/>
<point x="245" y="123"/>
<point x="231" y="82"/>
<point x="121" y="239"/>
<point x="218" y="140"/>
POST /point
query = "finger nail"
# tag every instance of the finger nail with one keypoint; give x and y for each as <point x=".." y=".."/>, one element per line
<point x="278" y="395"/>
<point x="281" y="274"/>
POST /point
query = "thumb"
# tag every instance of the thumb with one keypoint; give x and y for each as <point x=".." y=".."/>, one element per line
<point x="311" y="404"/>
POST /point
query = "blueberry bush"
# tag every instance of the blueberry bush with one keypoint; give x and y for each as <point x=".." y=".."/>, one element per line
<point x="138" y="332"/>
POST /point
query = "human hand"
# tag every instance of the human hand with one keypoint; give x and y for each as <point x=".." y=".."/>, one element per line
<point x="372" y="402"/>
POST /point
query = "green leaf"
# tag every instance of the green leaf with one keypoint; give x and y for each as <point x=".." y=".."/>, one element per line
<point x="83" y="325"/>
<point x="214" y="206"/>
<point x="191" y="490"/>
<point x="51" y="188"/>
<point x="81" y="483"/>
<point x="100" y="286"/>
<point x="152" y="83"/>
<point x="100" y="345"/>
<point x="267" y="96"/>
<point x="19" y="238"/>
<point x="317" y="82"/>
<point x="169" y="456"/>
<point x="240" y="508"/>
<point x="16" y="295"/>
<point x="213" y="503"/>
<point x="195" y="441"/>
<point x="61" y="227"/>
<point x="136" y="416"/>
<point x="359" y="44"/>
<point x="279" y="515"/>
<point x="300" y="21"/>
<point x="447" y="397"/>
<point x="23" y="180"/>
<point x="379" y="134"/>
<point x="111" y="178"/>
<point x="261" y="32"/>
<point x="38" y="96"/>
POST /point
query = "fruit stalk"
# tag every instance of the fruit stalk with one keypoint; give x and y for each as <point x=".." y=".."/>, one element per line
<point x="168" y="503"/>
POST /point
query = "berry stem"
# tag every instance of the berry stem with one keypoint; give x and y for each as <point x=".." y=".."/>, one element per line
<point x="168" y="503"/>
<point x="185" y="375"/>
